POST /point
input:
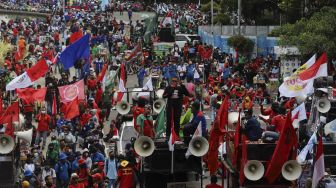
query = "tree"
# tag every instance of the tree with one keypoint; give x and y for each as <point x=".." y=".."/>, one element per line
<point x="242" y="44"/>
<point x="313" y="35"/>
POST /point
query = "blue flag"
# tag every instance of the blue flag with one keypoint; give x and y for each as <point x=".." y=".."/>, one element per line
<point x="78" y="50"/>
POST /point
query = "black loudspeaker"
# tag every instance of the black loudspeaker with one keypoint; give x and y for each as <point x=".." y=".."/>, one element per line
<point x="165" y="35"/>
<point x="324" y="82"/>
<point x="160" y="161"/>
<point x="260" y="152"/>
<point x="7" y="171"/>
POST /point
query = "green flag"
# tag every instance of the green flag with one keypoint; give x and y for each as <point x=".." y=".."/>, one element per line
<point x="160" y="122"/>
<point x="186" y="117"/>
<point x="110" y="79"/>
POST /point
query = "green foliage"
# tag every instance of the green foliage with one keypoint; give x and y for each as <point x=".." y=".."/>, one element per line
<point x="222" y="19"/>
<point x="313" y="35"/>
<point x="207" y="7"/>
<point x="242" y="44"/>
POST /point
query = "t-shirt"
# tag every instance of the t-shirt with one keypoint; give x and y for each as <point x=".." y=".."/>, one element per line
<point x="43" y="122"/>
<point x="126" y="177"/>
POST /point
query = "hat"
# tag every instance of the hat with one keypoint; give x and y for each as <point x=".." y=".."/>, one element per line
<point x="27" y="173"/>
<point x="81" y="161"/>
<point x="124" y="163"/>
<point x="25" y="184"/>
<point x="85" y="150"/>
<point x="74" y="175"/>
<point x="62" y="156"/>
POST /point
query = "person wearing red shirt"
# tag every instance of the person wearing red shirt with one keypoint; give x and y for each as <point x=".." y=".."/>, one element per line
<point x="83" y="172"/>
<point x="99" y="95"/>
<point x="85" y="117"/>
<point x="137" y="110"/>
<point x="279" y="120"/>
<point x="126" y="175"/>
<point x="43" y="120"/>
<point x="271" y="112"/>
<point x="213" y="183"/>
<point x="74" y="183"/>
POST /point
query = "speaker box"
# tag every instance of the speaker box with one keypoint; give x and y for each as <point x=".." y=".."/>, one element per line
<point x="7" y="172"/>
<point x="260" y="152"/>
<point x="160" y="180"/>
<point x="165" y="35"/>
<point x="323" y="82"/>
<point x="160" y="161"/>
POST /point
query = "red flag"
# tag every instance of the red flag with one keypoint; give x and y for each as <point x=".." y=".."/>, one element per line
<point x="10" y="115"/>
<point x="213" y="151"/>
<point x="136" y="51"/>
<point x="222" y="115"/>
<point x="30" y="95"/>
<point x="54" y="107"/>
<point x="285" y="149"/>
<point x="71" y="109"/>
<point x="319" y="168"/>
<point x="173" y="136"/>
<point x="236" y="141"/>
<point x="38" y="70"/>
<point x="243" y="160"/>
<point x="75" y="36"/>
<point x="70" y="92"/>
<point x="102" y="73"/>
<point x="1" y="103"/>
<point x="122" y="83"/>
<point x="311" y="72"/>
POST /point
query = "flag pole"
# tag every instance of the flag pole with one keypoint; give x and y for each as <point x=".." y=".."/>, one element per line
<point x="172" y="162"/>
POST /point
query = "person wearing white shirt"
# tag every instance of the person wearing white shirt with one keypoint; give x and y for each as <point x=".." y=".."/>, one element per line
<point x="48" y="171"/>
<point x="181" y="69"/>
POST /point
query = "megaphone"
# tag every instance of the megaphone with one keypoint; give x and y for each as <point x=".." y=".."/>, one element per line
<point x="144" y="146"/>
<point x="323" y="105"/>
<point x="198" y="146"/>
<point x="159" y="93"/>
<point x="25" y="135"/>
<point x="158" y="105"/>
<point x="7" y="144"/>
<point x="291" y="170"/>
<point x="254" y="170"/>
<point x="232" y="118"/>
<point x="123" y="107"/>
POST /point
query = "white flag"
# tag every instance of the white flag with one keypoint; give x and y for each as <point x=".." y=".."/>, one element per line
<point x="302" y="80"/>
<point x="147" y="87"/>
<point x="299" y="112"/>
<point x="301" y="158"/>
<point x="21" y="81"/>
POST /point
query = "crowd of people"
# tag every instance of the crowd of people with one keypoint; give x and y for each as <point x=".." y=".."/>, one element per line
<point x="196" y="76"/>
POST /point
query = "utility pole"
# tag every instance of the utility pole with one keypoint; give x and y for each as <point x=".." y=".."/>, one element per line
<point x="239" y="15"/>
<point x="211" y="17"/>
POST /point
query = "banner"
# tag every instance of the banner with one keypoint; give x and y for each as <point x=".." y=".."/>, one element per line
<point x="69" y="93"/>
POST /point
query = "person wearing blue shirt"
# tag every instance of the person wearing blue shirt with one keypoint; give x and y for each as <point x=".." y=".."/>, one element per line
<point x="98" y="62"/>
<point x="252" y="127"/>
<point x="61" y="122"/>
<point x="190" y="128"/>
<point x="172" y="70"/>
<point x="63" y="169"/>
<point x="97" y="156"/>
<point x="141" y="76"/>
<point x="190" y="71"/>
<point x="111" y="169"/>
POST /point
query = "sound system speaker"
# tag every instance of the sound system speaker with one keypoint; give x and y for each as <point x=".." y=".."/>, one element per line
<point x="160" y="161"/>
<point x="261" y="152"/>
<point x="324" y="82"/>
<point x="165" y="35"/>
<point x="7" y="172"/>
